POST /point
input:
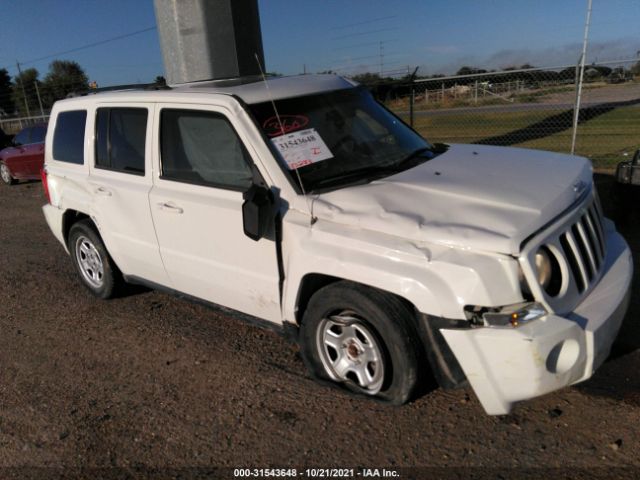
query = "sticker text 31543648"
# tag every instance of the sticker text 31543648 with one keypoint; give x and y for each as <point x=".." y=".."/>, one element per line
<point x="302" y="148"/>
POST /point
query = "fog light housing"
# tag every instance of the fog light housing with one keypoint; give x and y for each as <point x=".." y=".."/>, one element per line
<point x="513" y="315"/>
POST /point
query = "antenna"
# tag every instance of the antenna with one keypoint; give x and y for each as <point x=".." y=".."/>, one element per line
<point x="273" y="104"/>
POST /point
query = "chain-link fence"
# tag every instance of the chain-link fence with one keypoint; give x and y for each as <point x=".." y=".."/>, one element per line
<point x="531" y="108"/>
<point x="14" y="125"/>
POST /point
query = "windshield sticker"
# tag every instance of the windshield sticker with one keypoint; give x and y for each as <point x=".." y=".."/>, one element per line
<point x="302" y="148"/>
<point x="290" y="123"/>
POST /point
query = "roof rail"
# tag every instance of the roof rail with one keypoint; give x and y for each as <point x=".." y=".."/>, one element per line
<point x="117" y="88"/>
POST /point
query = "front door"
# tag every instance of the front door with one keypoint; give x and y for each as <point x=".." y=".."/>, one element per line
<point x="196" y="204"/>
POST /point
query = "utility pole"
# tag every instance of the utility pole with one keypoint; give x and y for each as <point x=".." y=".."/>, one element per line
<point x="39" y="99"/>
<point x="24" y="93"/>
<point x="583" y="58"/>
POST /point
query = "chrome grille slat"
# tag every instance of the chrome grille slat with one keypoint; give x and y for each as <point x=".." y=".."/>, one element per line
<point x="575" y="251"/>
<point x="587" y="244"/>
<point x="598" y="219"/>
<point x="593" y="232"/>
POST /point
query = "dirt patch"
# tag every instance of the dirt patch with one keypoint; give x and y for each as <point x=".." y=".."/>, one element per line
<point x="149" y="385"/>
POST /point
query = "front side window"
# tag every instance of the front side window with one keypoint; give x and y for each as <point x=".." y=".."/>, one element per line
<point x="68" y="137"/>
<point x="120" y="139"/>
<point x="202" y="148"/>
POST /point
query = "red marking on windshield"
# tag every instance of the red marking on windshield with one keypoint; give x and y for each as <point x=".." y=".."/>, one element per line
<point x="290" y="123"/>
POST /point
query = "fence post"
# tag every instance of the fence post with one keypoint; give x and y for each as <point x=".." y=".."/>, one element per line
<point x="476" y="93"/>
<point x="411" y="102"/>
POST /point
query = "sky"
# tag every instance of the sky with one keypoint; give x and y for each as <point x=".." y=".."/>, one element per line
<point x="346" y="36"/>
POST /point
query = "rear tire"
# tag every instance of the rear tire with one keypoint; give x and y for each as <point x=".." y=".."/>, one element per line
<point x="5" y="174"/>
<point x="97" y="271"/>
<point x="362" y="339"/>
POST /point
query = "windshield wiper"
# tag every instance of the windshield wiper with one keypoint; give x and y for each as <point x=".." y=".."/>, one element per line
<point x="374" y="172"/>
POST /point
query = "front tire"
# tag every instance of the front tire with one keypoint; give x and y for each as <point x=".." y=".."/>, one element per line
<point x="362" y="339"/>
<point x="95" y="267"/>
<point x="5" y="174"/>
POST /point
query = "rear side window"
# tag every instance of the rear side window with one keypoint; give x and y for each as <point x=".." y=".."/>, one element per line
<point x="120" y="139"/>
<point x="68" y="137"/>
<point x="203" y="148"/>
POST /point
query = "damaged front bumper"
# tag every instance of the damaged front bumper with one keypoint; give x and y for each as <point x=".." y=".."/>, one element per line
<point x="507" y="365"/>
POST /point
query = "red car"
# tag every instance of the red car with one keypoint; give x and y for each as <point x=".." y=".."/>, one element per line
<point x="25" y="158"/>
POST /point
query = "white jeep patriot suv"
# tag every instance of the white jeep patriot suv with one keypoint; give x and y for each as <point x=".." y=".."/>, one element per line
<point x="304" y="203"/>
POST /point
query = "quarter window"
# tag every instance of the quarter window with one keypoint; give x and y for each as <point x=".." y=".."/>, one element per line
<point x="203" y="148"/>
<point x="68" y="137"/>
<point x="120" y="139"/>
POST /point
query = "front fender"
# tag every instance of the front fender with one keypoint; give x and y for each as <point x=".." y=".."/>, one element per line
<point x="437" y="280"/>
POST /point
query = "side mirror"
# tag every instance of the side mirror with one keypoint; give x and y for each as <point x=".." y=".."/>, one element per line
<point x="257" y="211"/>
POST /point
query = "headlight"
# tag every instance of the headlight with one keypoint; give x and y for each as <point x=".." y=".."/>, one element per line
<point x="543" y="267"/>
<point x="548" y="272"/>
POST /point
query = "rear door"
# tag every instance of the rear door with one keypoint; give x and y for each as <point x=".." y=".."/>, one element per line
<point x="120" y="181"/>
<point x="196" y="202"/>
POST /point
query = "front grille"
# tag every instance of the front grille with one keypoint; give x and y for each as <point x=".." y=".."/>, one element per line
<point x="583" y="245"/>
<point x="578" y="243"/>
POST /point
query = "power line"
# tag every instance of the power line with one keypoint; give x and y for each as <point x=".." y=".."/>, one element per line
<point x="90" y="45"/>
<point x="363" y="23"/>
<point x="368" y="44"/>
<point x="365" y="33"/>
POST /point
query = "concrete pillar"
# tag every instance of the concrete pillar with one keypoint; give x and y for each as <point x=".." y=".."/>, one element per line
<point x="209" y="39"/>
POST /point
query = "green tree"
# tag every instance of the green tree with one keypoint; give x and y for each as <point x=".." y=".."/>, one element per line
<point x="6" y="92"/>
<point x="25" y="83"/>
<point x="469" y="70"/>
<point x="64" y="77"/>
<point x="160" y="81"/>
<point x="368" y="78"/>
<point x="635" y="70"/>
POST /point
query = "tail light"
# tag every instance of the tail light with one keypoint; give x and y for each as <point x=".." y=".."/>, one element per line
<point x="45" y="185"/>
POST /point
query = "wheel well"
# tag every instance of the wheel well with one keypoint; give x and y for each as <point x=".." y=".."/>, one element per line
<point x="309" y="285"/>
<point x="313" y="282"/>
<point x="68" y="219"/>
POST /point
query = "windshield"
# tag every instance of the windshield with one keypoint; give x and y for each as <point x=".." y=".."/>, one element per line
<point x="338" y="138"/>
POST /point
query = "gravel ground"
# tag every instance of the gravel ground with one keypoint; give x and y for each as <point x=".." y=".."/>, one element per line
<point x="150" y="385"/>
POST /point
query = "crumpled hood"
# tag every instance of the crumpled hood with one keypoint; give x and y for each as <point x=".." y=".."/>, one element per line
<point x="472" y="196"/>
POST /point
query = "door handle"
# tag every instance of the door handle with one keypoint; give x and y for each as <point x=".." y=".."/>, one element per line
<point x="170" y="207"/>
<point x="103" y="191"/>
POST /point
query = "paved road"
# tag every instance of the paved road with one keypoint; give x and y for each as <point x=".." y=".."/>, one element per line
<point x="150" y="381"/>
<point x="555" y="102"/>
